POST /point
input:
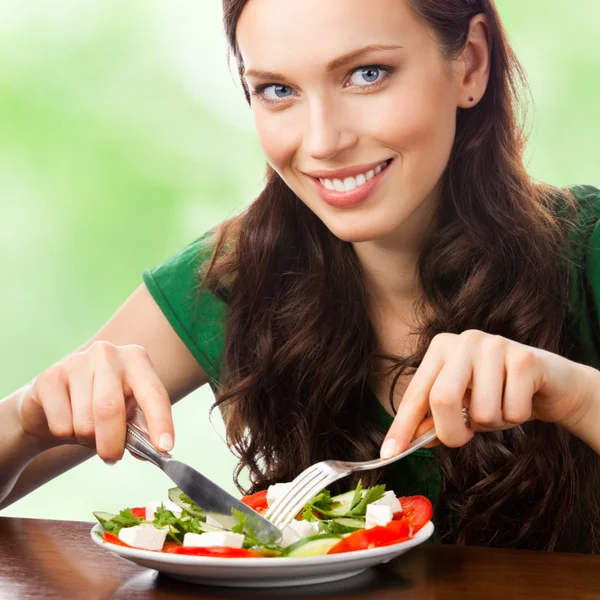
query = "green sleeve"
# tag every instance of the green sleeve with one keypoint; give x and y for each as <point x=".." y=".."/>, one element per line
<point x="198" y="319"/>
<point x="585" y="280"/>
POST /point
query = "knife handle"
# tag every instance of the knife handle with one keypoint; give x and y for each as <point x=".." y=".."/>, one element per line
<point x="138" y="443"/>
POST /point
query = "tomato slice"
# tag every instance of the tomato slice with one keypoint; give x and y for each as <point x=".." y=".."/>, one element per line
<point x="139" y="512"/>
<point x="417" y="509"/>
<point x="113" y="539"/>
<point x="359" y="540"/>
<point x="170" y="547"/>
<point x="217" y="551"/>
<point x="257" y="501"/>
<point x="375" y="537"/>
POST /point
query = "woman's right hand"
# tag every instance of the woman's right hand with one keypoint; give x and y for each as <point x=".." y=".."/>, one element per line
<point x="87" y="397"/>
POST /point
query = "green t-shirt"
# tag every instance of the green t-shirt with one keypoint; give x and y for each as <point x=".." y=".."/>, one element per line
<point x="200" y="322"/>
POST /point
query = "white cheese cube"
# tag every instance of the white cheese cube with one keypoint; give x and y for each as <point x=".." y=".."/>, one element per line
<point x="378" y="514"/>
<point x="297" y="530"/>
<point x="213" y="538"/>
<point x="144" y="536"/>
<point x="275" y="491"/>
<point x="153" y="507"/>
<point x="389" y="499"/>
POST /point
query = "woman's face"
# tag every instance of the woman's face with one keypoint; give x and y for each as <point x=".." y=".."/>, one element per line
<point x="330" y="115"/>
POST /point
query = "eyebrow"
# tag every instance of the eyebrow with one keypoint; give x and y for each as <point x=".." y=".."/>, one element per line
<point x="332" y="65"/>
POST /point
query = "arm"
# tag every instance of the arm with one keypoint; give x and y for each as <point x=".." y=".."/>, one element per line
<point x="26" y="463"/>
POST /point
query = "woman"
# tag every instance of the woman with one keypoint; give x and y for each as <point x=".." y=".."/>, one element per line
<point x="399" y="267"/>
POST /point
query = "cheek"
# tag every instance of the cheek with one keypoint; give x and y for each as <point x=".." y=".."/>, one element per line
<point x="278" y="142"/>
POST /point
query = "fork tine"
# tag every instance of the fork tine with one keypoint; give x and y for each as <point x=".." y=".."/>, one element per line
<point x="285" y="518"/>
<point x="297" y="485"/>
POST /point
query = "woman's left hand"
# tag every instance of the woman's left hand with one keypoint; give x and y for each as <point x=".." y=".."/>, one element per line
<point x="501" y="382"/>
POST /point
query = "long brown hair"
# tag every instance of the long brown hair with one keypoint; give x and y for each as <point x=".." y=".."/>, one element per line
<point x="300" y="345"/>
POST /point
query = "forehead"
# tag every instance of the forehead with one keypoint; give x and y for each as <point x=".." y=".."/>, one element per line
<point x="286" y="32"/>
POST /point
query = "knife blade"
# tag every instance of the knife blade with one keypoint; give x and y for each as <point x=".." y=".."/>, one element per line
<point x="213" y="499"/>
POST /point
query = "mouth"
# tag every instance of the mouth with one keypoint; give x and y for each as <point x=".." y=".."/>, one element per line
<point x="353" y="189"/>
<point x="351" y="182"/>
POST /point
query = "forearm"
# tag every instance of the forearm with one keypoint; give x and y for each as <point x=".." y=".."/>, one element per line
<point x="17" y="448"/>
<point x="585" y="424"/>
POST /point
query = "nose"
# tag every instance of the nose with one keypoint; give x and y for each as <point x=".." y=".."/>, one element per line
<point x="328" y="131"/>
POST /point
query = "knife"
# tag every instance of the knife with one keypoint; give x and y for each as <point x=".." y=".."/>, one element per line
<point x="213" y="499"/>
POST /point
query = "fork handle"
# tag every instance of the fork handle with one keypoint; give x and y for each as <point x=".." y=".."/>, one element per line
<point x="138" y="443"/>
<point x="416" y="444"/>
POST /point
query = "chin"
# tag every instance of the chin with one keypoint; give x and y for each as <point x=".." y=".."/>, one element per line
<point x="363" y="232"/>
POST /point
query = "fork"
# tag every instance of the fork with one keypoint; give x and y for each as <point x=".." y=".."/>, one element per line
<point x="318" y="476"/>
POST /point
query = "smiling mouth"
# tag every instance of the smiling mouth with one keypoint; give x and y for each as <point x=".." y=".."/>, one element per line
<point x="350" y="183"/>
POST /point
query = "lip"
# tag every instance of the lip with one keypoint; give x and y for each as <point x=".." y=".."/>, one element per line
<point x="347" y="172"/>
<point x="358" y="194"/>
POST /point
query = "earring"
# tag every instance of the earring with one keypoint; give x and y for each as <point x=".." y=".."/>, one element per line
<point x="470" y="98"/>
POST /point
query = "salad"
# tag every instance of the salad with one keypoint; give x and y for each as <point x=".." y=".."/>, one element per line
<point x="356" y="520"/>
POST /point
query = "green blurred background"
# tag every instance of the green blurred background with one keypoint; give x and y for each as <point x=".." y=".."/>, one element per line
<point x="123" y="137"/>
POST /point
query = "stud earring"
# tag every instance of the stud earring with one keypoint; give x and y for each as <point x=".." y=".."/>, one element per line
<point x="470" y="98"/>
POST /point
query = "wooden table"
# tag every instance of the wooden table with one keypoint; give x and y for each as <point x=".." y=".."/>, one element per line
<point x="42" y="560"/>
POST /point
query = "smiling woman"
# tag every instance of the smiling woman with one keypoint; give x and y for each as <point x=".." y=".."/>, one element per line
<point x="399" y="267"/>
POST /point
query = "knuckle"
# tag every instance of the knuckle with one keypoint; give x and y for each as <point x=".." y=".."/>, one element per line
<point x="522" y="361"/>
<point x="472" y="336"/>
<point x="487" y="417"/>
<point x="441" y="339"/>
<point x="77" y="361"/>
<point x="136" y="351"/>
<point x="61" y="429"/>
<point x="52" y="376"/>
<point x="103" y="349"/>
<point x="84" y="430"/>
<point x="494" y="342"/>
<point x="108" y="406"/>
<point x="442" y="397"/>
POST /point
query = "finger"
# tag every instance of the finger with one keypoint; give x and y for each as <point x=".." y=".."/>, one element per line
<point x="446" y="398"/>
<point x="109" y="412"/>
<point x="487" y="384"/>
<point x="414" y="405"/>
<point x="80" y="393"/>
<point x="153" y="399"/>
<point x="50" y="391"/>
<point x="520" y="387"/>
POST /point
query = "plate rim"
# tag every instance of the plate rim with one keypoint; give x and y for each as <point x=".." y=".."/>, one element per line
<point x="189" y="560"/>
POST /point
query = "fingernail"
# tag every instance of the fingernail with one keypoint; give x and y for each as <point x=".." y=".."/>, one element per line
<point x="110" y="463"/>
<point x="165" y="441"/>
<point x="389" y="448"/>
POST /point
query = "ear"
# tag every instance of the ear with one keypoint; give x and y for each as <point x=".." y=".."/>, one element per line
<point x="475" y="63"/>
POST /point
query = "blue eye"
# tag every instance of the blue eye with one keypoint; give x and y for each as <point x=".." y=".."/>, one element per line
<point x="369" y="75"/>
<point x="281" y="91"/>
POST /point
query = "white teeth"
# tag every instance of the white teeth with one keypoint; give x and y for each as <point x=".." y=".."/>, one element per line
<point x="349" y="183"/>
<point x="352" y="182"/>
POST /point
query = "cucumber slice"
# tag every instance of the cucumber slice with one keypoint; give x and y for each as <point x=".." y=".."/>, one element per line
<point x="315" y="545"/>
<point x="346" y="525"/>
<point x="175" y="495"/>
<point x="342" y="504"/>
<point x="103" y="516"/>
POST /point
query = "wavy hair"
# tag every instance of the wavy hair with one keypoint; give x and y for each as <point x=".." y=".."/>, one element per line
<point x="300" y="345"/>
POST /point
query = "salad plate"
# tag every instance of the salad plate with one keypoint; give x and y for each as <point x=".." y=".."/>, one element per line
<point x="333" y="538"/>
<point x="268" y="572"/>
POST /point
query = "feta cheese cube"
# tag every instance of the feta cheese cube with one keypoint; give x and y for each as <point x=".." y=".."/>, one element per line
<point x="389" y="499"/>
<point x="213" y="538"/>
<point x="378" y="514"/>
<point x="275" y="491"/>
<point x="153" y="507"/>
<point x="144" y="536"/>
<point x="297" y="530"/>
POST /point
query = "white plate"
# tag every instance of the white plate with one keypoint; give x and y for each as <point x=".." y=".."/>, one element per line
<point x="267" y="572"/>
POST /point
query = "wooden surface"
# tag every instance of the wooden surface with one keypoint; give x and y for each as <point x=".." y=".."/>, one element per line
<point x="43" y="560"/>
